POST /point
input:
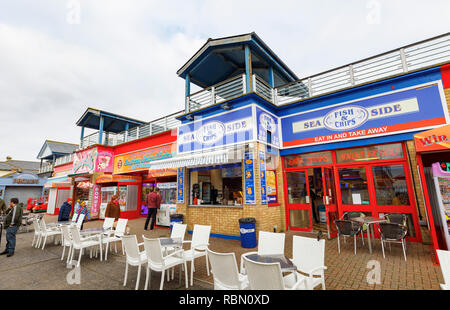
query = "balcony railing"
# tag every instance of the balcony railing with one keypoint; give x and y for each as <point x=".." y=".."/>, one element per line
<point x="48" y="167"/>
<point x="111" y="139"/>
<point x="64" y="160"/>
<point x="416" y="56"/>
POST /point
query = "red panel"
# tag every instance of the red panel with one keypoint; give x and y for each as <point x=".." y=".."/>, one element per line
<point x="158" y="139"/>
<point x="445" y="73"/>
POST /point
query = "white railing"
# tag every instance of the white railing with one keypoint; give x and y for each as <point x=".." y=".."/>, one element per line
<point x="48" y="167"/>
<point x="409" y="58"/>
<point x="111" y="139"/>
<point x="223" y="91"/>
<point x="64" y="159"/>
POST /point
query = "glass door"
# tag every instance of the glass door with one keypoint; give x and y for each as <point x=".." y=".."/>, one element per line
<point x="298" y="204"/>
<point x="329" y="200"/>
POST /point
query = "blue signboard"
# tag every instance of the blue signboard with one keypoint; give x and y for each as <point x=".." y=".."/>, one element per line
<point x="262" y="176"/>
<point x="395" y="112"/>
<point x="268" y="130"/>
<point x="249" y="182"/>
<point x="223" y="129"/>
<point x="180" y="190"/>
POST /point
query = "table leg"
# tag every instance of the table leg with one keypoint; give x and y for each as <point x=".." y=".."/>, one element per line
<point x="368" y="238"/>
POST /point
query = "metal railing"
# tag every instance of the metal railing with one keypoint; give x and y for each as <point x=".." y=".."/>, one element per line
<point x="48" y="167"/>
<point x="154" y="127"/>
<point x="400" y="61"/>
<point x="64" y="159"/>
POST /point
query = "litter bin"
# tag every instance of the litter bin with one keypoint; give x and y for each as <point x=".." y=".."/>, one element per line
<point x="248" y="232"/>
<point x="175" y="218"/>
<point x="322" y="214"/>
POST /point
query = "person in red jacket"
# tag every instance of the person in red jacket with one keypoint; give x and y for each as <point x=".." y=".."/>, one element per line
<point x="153" y="203"/>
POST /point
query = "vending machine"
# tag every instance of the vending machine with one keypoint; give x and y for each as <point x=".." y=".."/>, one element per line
<point x="168" y="203"/>
<point x="442" y="186"/>
<point x="107" y="193"/>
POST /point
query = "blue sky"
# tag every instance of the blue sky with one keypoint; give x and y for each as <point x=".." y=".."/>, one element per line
<point x="122" y="56"/>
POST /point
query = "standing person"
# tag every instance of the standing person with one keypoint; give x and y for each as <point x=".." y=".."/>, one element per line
<point x="113" y="208"/>
<point x="152" y="204"/>
<point x="12" y="222"/>
<point x="2" y="207"/>
<point x="64" y="211"/>
<point x="83" y="210"/>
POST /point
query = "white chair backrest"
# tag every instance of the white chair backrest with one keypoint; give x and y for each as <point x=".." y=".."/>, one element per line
<point x="80" y="220"/>
<point x="121" y="226"/>
<point x="153" y="250"/>
<point x="308" y="253"/>
<point x="200" y="236"/>
<point x="224" y="269"/>
<point x="66" y="233"/>
<point x="42" y="225"/>
<point x="75" y="235"/>
<point x="263" y="276"/>
<point x="270" y="243"/>
<point x="444" y="261"/>
<point x="131" y="246"/>
<point x="108" y="223"/>
<point x="37" y="228"/>
<point x="178" y="231"/>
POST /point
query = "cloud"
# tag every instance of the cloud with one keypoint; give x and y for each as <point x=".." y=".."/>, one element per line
<point x="123" y="55"/>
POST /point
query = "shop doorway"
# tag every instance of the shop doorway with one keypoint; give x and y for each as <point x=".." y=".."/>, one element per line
<point x="311" y="203"/>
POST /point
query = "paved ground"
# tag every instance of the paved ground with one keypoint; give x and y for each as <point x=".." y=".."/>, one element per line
<point x="32" y="268"/>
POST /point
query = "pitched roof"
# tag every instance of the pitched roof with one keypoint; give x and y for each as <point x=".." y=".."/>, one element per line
<point x="58" y="148"/>
<point x="19" y="165"/>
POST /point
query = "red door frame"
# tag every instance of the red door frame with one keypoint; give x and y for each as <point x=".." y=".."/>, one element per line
<point x="136" y="213"/>
<point x="329" y="207"/>
<point x="372" y="207"/>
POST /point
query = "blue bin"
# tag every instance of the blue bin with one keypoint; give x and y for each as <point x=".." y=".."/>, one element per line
<point x="175" y="218"/>
<point x="322" y="214"/>
<point x="248" y="232"/>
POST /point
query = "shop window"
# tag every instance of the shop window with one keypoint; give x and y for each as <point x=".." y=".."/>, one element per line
<point x="271" y="186"/>
<point x="216" y="185"/>
<point x="408" y="221"/>
<point x="311" y="159"/>
<point x="354" y="189"/>
<point x="297" y="190"/>
<point x="390" y="185"/>
<point x="128" y="197"/>
<point x="369" y="153"/>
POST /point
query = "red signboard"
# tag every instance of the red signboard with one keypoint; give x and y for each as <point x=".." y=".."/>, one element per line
<point x="311" y="159"/>
<point x="437" y="139"/>
<point x="377" y="152"/>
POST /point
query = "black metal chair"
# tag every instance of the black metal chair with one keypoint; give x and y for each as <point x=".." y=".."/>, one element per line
<point x="397" y="218"/>
<point x="349" y="215"/>
<point x="393" y="233"/>
<point x="347" y="228"/>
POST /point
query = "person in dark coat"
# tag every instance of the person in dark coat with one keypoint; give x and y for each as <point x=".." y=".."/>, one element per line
<point x="113" y="208"/>
<point x="153" y="203"/>
<point x="2" y="207"/>
<point x="12" y="222"/>
<point x="65" y="210"/>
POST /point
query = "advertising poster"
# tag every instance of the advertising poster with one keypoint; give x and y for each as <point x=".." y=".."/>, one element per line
<point x="180" y="190"/>
<point x="262" y="169"/>
<point x="268" y="131"/>
<point x="249" y="178"/>
<point x="271" y="186"/>
<point x="141" y="160"/>
<point x="96" y="196"/>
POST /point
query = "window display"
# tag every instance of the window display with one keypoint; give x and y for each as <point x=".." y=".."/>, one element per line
<point x="390" y="185"/>
<point x="354" y="189"/>
<point x="216" y="186"/>
<point x="146" y="188"/>
<point x="168" y="202"/>
<point x="107" y="193"/>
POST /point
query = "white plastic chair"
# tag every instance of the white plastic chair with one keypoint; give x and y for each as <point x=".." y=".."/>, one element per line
<point x="46" y="232"/>
<point x="134" y="257"/>
<point x="160" y="263"/>
<point x="80" y="221"/>
<point x="37" y="233"/>
<point x="269" y="243"/>
<point x="79" y="243"/>
<point x="118" y="233"/>
<point x="444" y="261"/>
<point x="108" y="223"/>
<point x="66" y="241"/>
<point x="262" y="276"/>
<point x="225" y="272"/>
<point x="199" y="244"/>
<point x="308" y="255"/>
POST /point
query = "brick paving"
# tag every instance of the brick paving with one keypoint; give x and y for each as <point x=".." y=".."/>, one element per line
<point x="32" y="268"/>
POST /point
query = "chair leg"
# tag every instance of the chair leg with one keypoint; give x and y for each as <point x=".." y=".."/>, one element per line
<point x="64" y="250"/>
<point x="106" y="251"/>
<point x="146" y="279"/>
<point x="382" y="247"/>
<point x="362" y="236"/>
<point x="162" y="279"/>
<point x="126" y="274"/>
<point x="339" y="245"/>
<point x="207" y="265"/>
<point x="45" y="240"/>
<point x="354" y="242"/>
<point x="32" y="242"/>
<point x="79" y="257"/>
<point x="404" y="248"/>
<point x="185" y="274"/>
<point x="192" y="272"/>
<point x="138" y="277"/>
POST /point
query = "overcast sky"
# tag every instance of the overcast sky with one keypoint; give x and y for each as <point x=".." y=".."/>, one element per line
<point x="122" y="56"/>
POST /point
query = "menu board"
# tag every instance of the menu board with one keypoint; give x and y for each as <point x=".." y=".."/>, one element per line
<point x="262" y="177"/>
<point x="180" y="190"/>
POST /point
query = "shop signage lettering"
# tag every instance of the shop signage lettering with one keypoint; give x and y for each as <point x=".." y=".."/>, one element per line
<point x="25" y="181"/>
<point x="214" y="132"/>
<point x="142" y="160"/>
<point x="370" y="153"/>
<point x="432" y="140"/>
<point x="405" y="110"/>
<point x="268" y="123"/>
<point x="313" y="159"/>
<point x="95" y="200"/>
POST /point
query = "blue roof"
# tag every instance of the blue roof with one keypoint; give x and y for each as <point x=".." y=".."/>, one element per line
<point x="227" y="58"/>
<point x="111" y="122"/>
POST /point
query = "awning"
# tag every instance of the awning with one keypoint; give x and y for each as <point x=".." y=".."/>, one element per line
<point x="58" y="182"/>
<point x="197" y="159"/>
<point x="437" y="139"/>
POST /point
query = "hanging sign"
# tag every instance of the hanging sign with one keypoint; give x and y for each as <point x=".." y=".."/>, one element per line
<point x="262" y="176"/>
<point x="180" y="191"/>
<point x="249" y="178"/>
